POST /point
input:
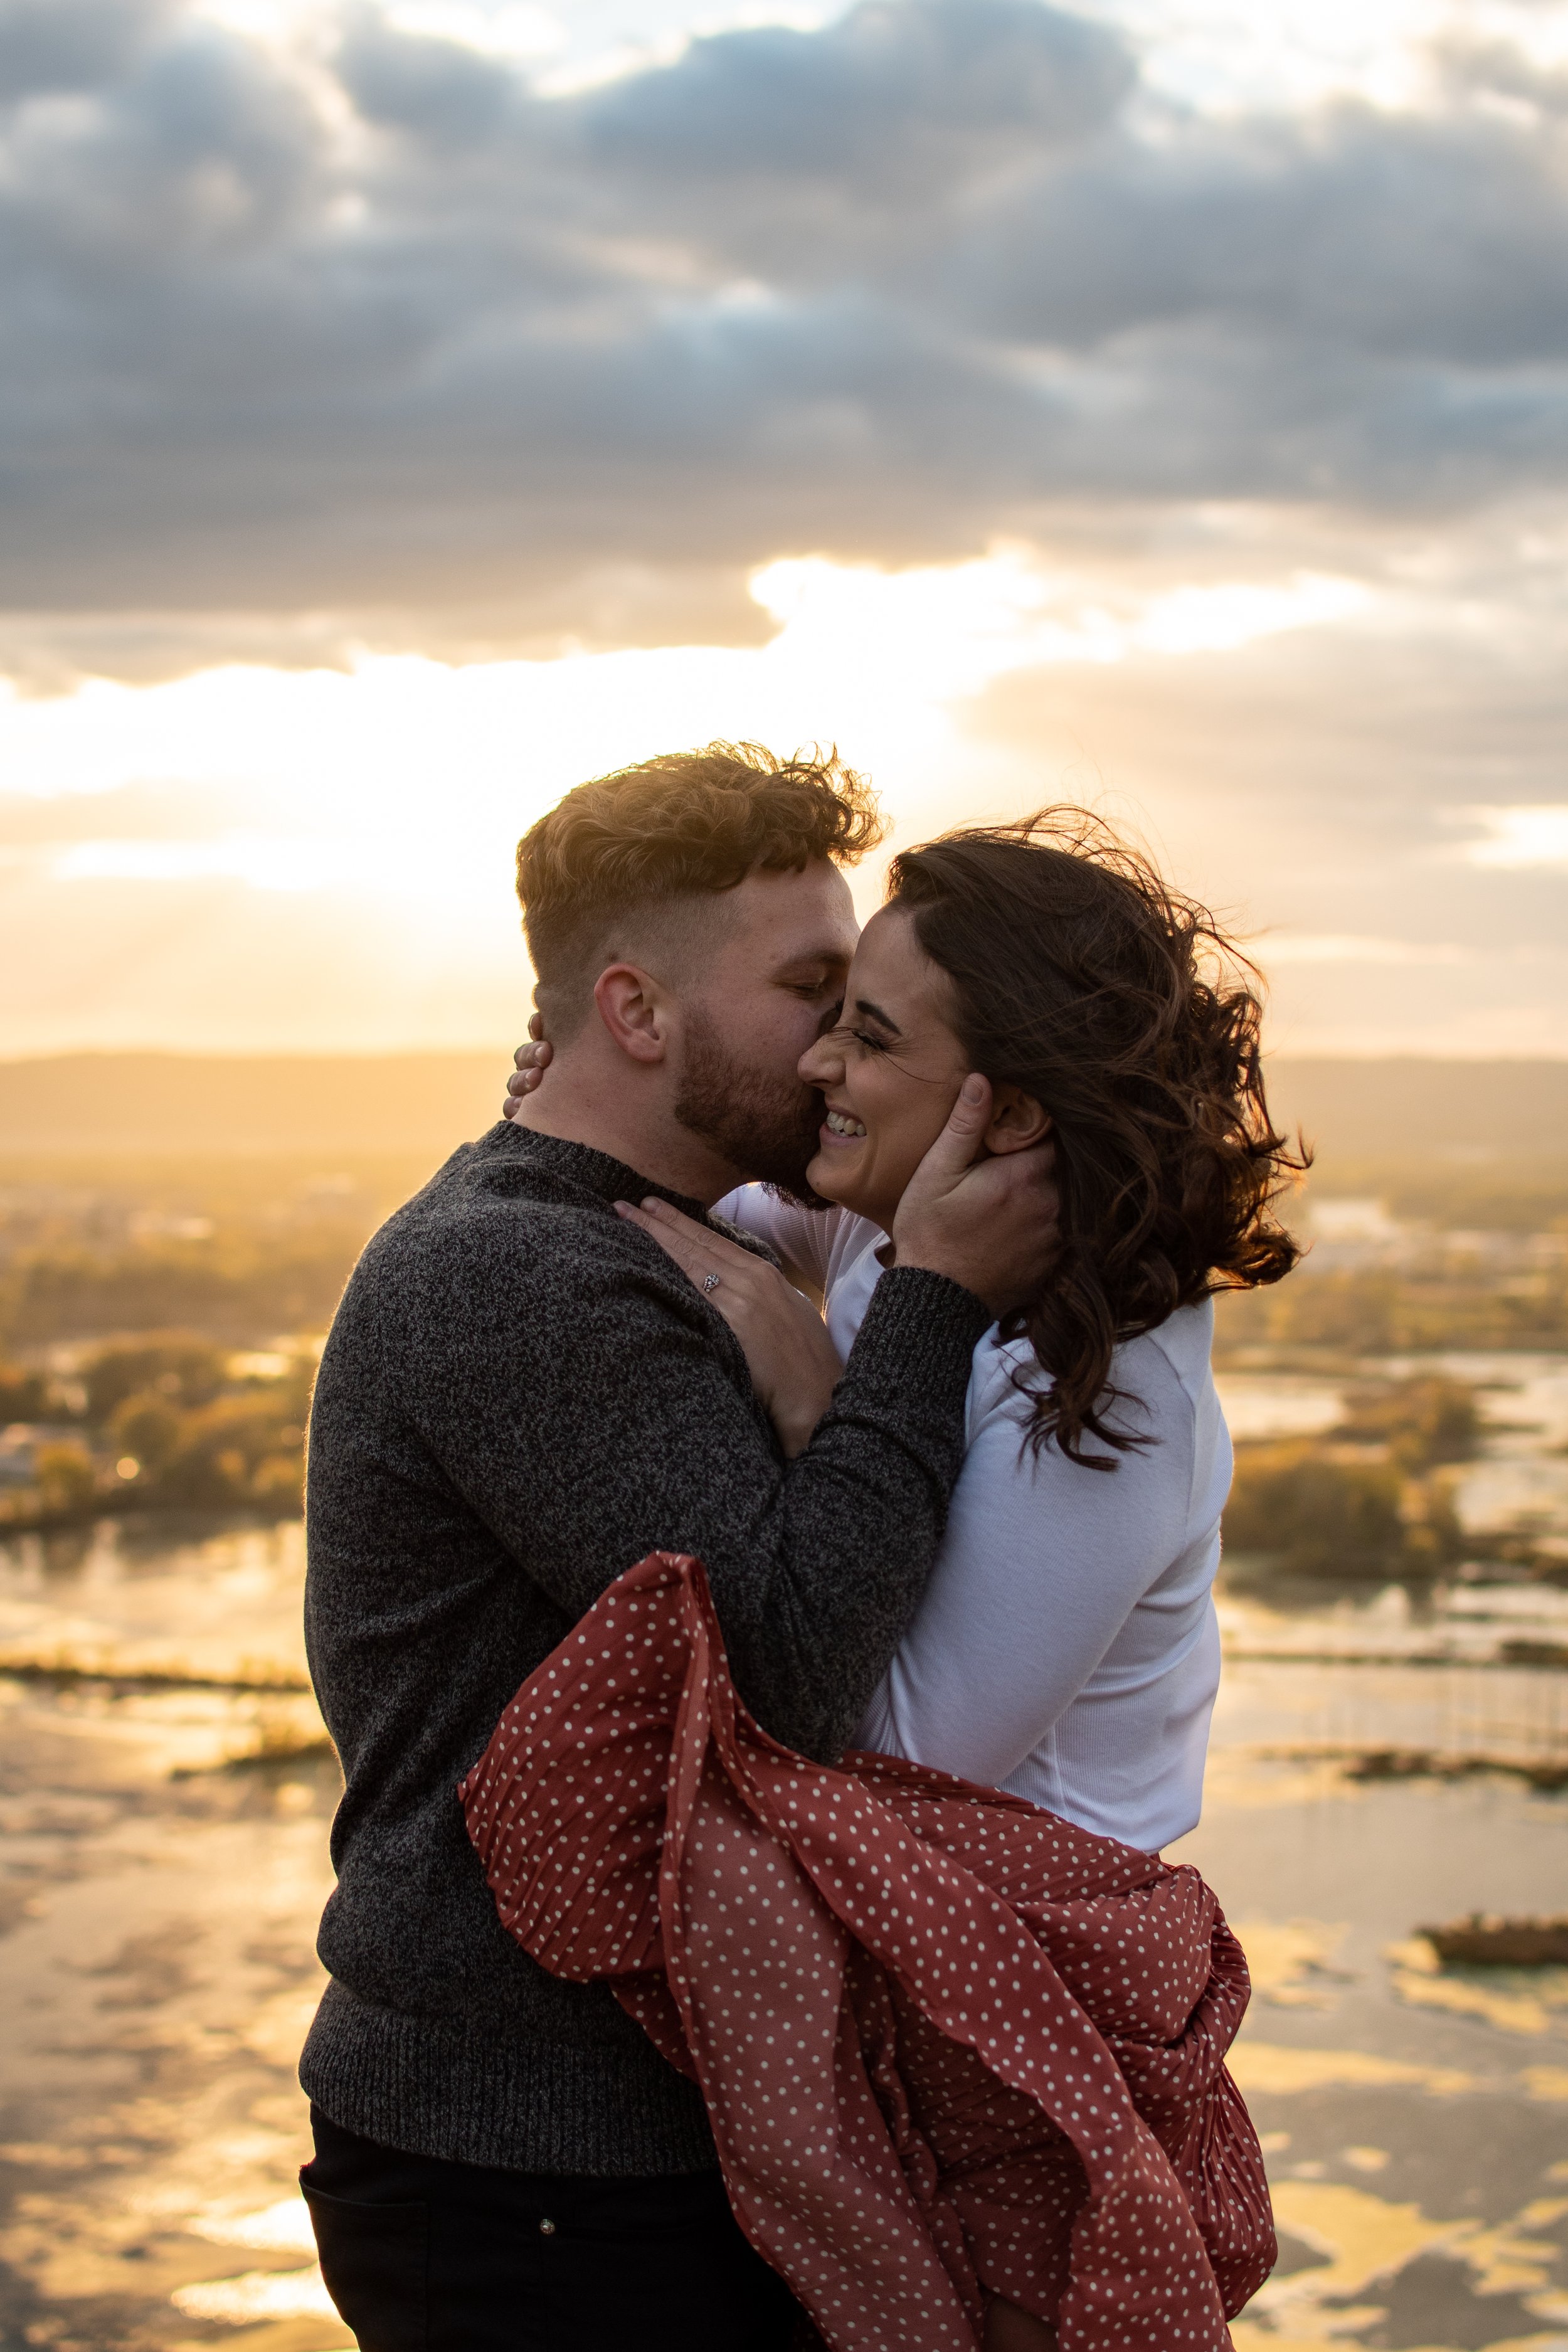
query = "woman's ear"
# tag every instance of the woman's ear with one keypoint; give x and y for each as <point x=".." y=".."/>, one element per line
<point x="1017" y="1120"/>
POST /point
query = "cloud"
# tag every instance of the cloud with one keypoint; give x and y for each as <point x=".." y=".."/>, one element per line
<point x="83" y="808"/>
<point x="264" y="864"/>
<point x="1337" y="947"/>
<point x="1535" y="835"/>
<point x="298" y="857"/>
<point x="901" y="106"/>
<point x="1387" y="240"/>
<point x="362" y="322"/>
<point x="52" y="46"/>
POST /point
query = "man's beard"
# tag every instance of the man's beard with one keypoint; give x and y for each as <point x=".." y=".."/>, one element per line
<point x="765" y="1127"/>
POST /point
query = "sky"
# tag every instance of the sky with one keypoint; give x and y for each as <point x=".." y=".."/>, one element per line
<point x="409" y="408"/>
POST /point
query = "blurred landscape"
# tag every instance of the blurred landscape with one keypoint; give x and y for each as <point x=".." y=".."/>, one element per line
<point x="1389" y="1750"/>
<point x="174" y="1233"/>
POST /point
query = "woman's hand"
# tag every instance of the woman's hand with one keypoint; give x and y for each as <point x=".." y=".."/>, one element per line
<point x="794" y="1364"/>
<point x="991" y="1224"/>
<point x="531" y="1062"/>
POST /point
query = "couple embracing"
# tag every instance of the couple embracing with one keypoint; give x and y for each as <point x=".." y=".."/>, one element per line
<point x="761" y="1719"/>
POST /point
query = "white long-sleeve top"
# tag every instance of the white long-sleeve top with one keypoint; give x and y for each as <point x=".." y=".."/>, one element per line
<point x="1066" y="1648"/>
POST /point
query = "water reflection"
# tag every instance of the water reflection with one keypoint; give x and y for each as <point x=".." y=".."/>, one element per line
<point x="165" y="1789"/>
<point x="1521" y="1476"/>
<point x="158" y="1596"/>
<point x="167" y="1785"/>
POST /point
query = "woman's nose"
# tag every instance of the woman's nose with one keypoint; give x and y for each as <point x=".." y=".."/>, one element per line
<point x="820" y="1063"/>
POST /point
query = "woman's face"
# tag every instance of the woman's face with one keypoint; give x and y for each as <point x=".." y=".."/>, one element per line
<point x="891" y="1071"/>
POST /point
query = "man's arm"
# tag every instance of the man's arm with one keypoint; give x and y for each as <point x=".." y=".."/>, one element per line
<point x="590" y="1415"/>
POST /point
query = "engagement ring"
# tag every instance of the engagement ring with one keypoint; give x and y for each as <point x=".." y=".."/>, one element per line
<point x="711" y="1281"/>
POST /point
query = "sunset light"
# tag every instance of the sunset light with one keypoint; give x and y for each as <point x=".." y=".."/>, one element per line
<point x="783" y="1175"/>
<point x="398" y="783"/>
<point x="1066" y="416"/>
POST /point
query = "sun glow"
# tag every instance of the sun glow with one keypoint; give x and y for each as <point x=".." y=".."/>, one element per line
<point x="404" y="774"/>
<point x="1535" y="835"/>
<point x="263" y="855"/>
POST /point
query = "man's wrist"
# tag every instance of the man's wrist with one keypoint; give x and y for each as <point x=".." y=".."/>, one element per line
<point x="931" y="1264"/>
<point x="929" y="1298"/>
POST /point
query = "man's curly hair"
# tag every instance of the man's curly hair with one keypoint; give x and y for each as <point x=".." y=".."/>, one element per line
<point x="684" y="826"/>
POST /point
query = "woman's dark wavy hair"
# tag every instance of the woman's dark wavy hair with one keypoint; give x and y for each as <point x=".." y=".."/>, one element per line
<point x="1122" y="1008"/>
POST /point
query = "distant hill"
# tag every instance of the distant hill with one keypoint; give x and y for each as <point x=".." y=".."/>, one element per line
<point x="135" y="1106"/>
<point x="1409" y="1108"/>
<point x="140" y="1105"/>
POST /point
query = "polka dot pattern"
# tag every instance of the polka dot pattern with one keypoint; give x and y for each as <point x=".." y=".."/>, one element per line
<point x="952" y="2045"/>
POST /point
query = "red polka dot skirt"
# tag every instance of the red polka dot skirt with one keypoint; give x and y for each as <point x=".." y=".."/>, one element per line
<point x="953" y="2047"/>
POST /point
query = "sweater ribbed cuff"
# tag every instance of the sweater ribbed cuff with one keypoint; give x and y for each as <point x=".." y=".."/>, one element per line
<point x="927" y="1323"/>
<point x="473" y="2092"/>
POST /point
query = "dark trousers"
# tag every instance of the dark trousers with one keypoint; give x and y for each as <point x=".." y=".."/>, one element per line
<point x="422" y="2255"/>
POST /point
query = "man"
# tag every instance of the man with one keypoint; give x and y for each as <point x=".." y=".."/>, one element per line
<point x="520" y="1398"/>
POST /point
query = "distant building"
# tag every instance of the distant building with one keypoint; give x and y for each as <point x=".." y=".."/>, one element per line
<point x="21" y="1443"/>
<point x="1348" y="1235"/>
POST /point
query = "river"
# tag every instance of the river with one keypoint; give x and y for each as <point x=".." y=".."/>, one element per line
<point x="1382" y="1759"/>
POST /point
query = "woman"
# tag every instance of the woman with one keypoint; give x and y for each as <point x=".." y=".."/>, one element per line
<point x="1066" y="1649"/>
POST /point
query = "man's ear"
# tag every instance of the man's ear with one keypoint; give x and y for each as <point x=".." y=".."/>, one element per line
<point x="1017" y="1120"/>
<point x="632" y="1010"/>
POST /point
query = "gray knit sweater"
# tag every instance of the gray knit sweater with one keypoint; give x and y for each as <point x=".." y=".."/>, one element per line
<point x="521" y="1396"/>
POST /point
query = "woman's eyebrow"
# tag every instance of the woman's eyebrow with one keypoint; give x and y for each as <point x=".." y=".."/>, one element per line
<point x="875" y="1013"/>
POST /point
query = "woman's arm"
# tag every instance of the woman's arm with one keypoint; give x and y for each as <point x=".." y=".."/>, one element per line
<point x="1041" y="1565"/>
<point x="802" y="1237"/>
<point x="794" y="1364"/>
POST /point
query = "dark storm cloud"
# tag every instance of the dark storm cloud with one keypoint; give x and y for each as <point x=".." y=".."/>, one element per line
<point x="387" y="327"/>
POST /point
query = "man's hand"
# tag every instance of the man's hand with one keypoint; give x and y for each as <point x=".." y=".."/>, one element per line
<point x="991" y="1223"/>
<point x="530" y="1064"/>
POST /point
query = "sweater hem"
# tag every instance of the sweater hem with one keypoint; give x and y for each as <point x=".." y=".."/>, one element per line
<point x="471" y="2092"/>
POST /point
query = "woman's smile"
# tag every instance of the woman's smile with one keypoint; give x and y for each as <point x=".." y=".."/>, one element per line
<point x="890" y="1071"/>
